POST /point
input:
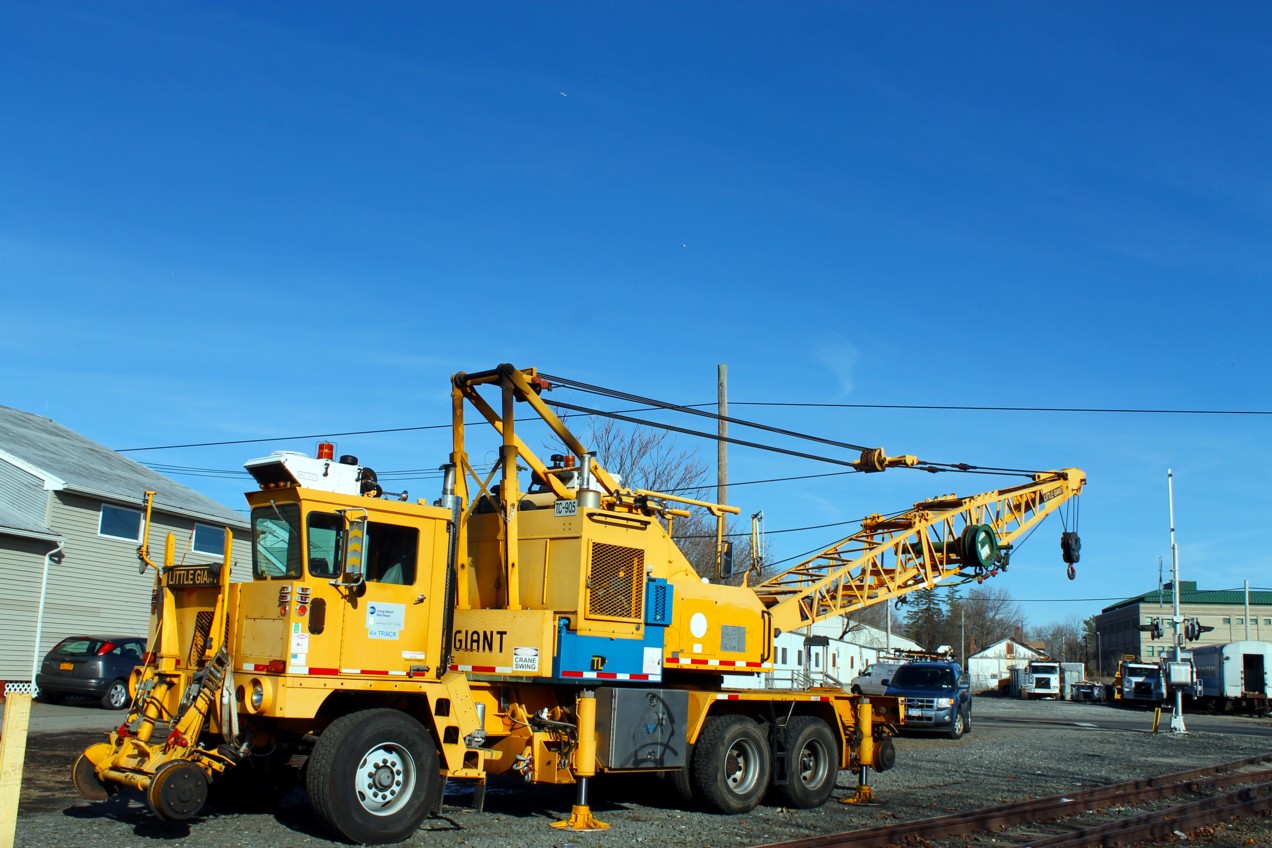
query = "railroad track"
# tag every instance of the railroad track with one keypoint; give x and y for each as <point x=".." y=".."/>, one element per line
<point x="1212" y="799"/>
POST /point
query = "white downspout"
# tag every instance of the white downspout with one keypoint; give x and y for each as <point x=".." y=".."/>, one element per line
<point x="39" y="618"/>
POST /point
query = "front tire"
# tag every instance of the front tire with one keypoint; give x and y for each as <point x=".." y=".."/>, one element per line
<point x="373" y="776"/>
<point x="813" y="764"/>
<point x="957" y="726"/>
<point x="731" y="764"/>
<point x="116" y="696"/>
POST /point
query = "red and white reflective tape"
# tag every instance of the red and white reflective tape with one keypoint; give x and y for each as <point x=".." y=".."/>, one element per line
<point x="611" y="675"/>
<point x="482" y="669"/>
<point x="720" y="663"/>
<point x="735" y="696"/>
<point x="323" y="672"/>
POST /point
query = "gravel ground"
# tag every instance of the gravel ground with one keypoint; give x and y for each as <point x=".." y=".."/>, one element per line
<point x="1009" y="756"/>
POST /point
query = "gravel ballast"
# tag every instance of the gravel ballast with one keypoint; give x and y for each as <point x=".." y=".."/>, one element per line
<point x="1017" y="750"/>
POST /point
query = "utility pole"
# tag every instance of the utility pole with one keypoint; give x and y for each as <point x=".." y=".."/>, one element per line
<point x="1247" y="610"/>
<point x="722" y="448"/>
<point x="962" y="635"/>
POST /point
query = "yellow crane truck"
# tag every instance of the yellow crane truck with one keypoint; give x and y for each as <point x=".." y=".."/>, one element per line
<point x="384" y="647"/>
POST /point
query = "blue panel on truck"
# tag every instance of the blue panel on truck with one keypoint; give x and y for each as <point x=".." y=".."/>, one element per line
<point x="608" y="658"/>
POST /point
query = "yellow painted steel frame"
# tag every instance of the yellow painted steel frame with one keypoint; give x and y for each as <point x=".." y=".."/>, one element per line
<point x="923" y="544"/>
<point x="130" y="758"/>
<point x="524" y="385"/>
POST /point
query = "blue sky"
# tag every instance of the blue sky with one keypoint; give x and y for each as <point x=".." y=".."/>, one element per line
<point x="235" y="221"/>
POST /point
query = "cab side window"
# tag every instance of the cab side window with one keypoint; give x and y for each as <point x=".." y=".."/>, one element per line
<point x="392" y="553"/>
<point x="325" y="533"/>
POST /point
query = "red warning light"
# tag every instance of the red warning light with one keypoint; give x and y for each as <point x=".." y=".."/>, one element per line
<point x="326" y="450"/>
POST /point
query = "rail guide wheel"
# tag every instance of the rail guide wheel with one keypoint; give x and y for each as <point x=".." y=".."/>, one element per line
<point x="178" y="791"/>
<point x="84" y="776"/>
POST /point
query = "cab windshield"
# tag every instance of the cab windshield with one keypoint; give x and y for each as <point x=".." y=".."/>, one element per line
<point x="276" y="550"/>
<point x="923" y="677"/>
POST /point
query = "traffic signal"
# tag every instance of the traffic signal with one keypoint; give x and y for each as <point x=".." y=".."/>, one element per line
<point x="1153" y="628"/>
<point x="1193" y="629"/>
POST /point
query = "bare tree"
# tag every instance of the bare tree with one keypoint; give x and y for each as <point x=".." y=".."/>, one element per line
<point x="1064" y="639"/>
<point x="649" y="459"/>
<point x="987" y="615"/>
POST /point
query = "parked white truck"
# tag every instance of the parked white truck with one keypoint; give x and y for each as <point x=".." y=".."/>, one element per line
<point x="1046" y="679"/>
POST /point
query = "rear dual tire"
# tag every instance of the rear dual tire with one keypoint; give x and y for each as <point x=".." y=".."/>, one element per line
<point x="731" y="764"/>
<point x="813" y="764"/>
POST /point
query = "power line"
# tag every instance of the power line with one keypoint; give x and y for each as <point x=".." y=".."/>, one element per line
<point x="1066" y="409"/>
<point x="774" y="404"/>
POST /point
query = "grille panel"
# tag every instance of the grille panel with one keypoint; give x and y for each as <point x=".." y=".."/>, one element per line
<point x="199" y="641"/>
<point x="615" y="578"/>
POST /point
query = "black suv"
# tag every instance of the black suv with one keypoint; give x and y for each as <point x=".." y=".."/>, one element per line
<point x="937" y="697"/>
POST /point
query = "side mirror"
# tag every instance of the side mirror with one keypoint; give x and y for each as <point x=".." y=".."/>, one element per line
<point x="353" y="549"/>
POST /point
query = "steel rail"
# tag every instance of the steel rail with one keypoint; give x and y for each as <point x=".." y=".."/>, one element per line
<point x="1160" y="824"/>
<point x="1033" y="810"/>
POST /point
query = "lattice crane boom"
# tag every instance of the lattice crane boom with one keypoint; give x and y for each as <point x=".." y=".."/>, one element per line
<point x="935" y="541"/>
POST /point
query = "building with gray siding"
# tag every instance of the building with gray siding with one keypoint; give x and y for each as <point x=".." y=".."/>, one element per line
<point x="71" y="515"/>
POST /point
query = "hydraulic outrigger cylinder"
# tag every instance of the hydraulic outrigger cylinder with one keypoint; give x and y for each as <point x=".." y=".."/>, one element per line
<point x="581" y="817"/>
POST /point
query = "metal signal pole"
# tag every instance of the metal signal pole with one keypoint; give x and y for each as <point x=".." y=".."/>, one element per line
<point x="1177" y="714"/>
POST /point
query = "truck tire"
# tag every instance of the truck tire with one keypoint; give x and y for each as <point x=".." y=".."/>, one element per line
<point x="681" y="781"/>
<point x="731" y="764"/>
<point x="116" y="695"/>
<point x="813" y="766"/>
<point x="373" y="776"/>
<point x="957" y="725"/>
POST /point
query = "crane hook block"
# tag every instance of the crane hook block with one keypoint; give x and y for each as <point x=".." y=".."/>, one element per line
<point x="1070" y="546"/>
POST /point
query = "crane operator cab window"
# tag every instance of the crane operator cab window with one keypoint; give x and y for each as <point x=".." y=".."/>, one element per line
<point x="390" y="551"/>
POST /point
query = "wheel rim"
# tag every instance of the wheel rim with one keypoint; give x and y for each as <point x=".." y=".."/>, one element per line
<point x="385" y="779"/>
<point x="118" y="694"/>
<point x="813" y="764"/>
<point x="742" y="766"/>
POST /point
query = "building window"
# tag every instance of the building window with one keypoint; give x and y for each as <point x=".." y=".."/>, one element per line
<point x="118" y="522"/>
<point x="208" y="539"/>
<point x="1227" y="620"/>
<point x="783" y="656"/>
<point x="1240" y="621"/>
<point x="1148" y="652"/>
<point x="1267" y="621"/>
